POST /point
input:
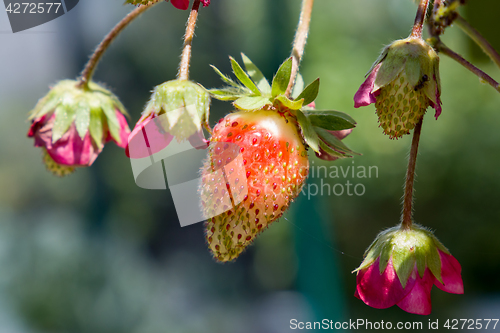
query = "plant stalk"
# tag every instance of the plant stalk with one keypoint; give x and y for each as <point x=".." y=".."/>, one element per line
<point x="91" y="65"/>
<point x="458" y="58"/>
<point x="183" y="73"/>
<point x="299" y="41"/>
<point x="406" y="218"/>
<point x="478" y="39"/>
<point x="420" y="19"/>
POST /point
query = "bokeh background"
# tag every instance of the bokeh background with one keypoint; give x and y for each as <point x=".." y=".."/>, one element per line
<point x="95" y="253"/>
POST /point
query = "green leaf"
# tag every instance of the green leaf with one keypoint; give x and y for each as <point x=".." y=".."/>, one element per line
<point x="243" y="77"/>
<point x="96" y="126"/>
<point x="256" y="75"/>
<point x="310" y="93"/>
<point x="252" y="103"/>
<point x="334" y="142"/>
<point x="330" y="120"/>
<point x="112" y="120"/>
<point x="226" y="94"/>
<point x="225" y="78"/>
<point x="82" y="120"/>
<point x="282" y="78"/>
<point x="308" y="131"/>
<point x="293" y="105"/>
<point x="298" y="86"/>
<point x="64" y="117"/>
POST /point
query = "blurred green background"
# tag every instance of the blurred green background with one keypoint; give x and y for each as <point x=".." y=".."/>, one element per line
<point x="94" y="253"/>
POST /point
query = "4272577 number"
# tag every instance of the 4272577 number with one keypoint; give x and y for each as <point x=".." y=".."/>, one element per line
<point x="33" y="8"/>
<point x="470" y="324"/>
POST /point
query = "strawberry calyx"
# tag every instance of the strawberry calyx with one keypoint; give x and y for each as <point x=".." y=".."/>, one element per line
<point x="253" y="92"/>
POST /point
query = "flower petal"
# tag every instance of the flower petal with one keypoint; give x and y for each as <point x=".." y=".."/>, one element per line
<point x="147" y="138"/>
<point x="382" y="290"/>
<point x="364" y="96"/>
<point x="418" y="300"/>
<point x="451" y="274"/>
<point x="181" y="4"/>
<point x="124" y="130"/>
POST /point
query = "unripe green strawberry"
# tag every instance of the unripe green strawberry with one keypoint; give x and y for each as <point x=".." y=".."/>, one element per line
<point x="270" y="165"/>
<point x="400" y="106"/>
<point x="402" y="83"/>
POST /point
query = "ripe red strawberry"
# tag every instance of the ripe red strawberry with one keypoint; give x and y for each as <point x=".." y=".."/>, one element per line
<point x="262" y="150"/>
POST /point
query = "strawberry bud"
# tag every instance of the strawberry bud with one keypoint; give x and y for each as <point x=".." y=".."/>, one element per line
<point x="400" y="268"/>
<point x="185" y="107"/>
<point x="72" y="124"/>
<point x="402" y="83"/>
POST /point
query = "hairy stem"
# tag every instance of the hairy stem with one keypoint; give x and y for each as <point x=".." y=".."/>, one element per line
<point x="406" y="218"/>
<point x="458" y="58"/>
<point x="183" y="73"/>
<point x="479" y="39"/>
<point x="420" y="19"/>
<point x="299" y="41"/>
<point x="91" y="65"/>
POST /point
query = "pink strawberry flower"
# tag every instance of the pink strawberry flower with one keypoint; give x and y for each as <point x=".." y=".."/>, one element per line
<point x="400" y="268"/>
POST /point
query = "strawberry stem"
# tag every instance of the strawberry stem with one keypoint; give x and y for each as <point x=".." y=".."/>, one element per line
<point x="440" y="47"/>
<point x="299" y="41"/>
<point x="406" y="218"/>
<point x="91" y="65"/>
<point x="183" y="73"/>
<point x="420" y="19"/>
<point x="478" y="39"/>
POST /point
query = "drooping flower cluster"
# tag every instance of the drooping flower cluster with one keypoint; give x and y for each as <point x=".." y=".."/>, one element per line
<point x="400" y="268"/>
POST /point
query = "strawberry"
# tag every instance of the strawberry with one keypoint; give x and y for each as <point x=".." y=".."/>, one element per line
<point x="257" y="158"/>
<point x="273" y="163"/>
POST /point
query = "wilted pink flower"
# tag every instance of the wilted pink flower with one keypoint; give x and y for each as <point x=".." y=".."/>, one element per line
<point x="402" y="83"/>
<point x="400" y="268"/>
<point x="72" y="125"/>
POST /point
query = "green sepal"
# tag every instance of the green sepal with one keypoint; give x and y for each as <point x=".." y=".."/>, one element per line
<point x="380" y="58"/>
<point x="64" y="117"/>
<point x="256" y="75"/>
<point x="252" y="103"/>
<point x="413" y="71"/>
<point x="403" y="258"/>
<point x="310" y="93"/>
<point x="308" y="131"/>
<point x="225" y="78"/>
<point x="243" y="77"/>
<point x="434" y="263"/>
<point x="390" y="69"/>
<point x="282" y="78"/>
<point x="82" y="120"/>
<point x="292" y="105"/>
<point x="227" y="94"/>
<point x="45" y="105"/>
<point x="96" y="124"/>
<point x="112" y="121"/>
<point x="298" y="86"/>
<point x="330" y="151"/>
<point x="330" y="119"/>
<point x="334" y="142"/>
